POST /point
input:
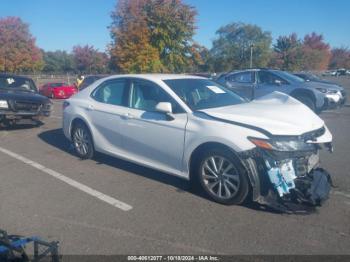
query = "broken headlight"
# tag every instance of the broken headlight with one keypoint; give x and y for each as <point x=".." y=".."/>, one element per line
<point x="284" y="145"/>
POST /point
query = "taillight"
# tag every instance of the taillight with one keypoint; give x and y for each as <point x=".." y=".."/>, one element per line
<point x="65" y="105"/>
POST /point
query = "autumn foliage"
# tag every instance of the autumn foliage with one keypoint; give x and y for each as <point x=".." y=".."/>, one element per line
<point x="18" y="51"/>
<point x="89" y="60"/>
<point x="153" y="36"/>
<point x="316" y="53"/>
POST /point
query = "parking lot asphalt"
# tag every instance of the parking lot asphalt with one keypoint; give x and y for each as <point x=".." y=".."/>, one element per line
<point x="45" y="190"/>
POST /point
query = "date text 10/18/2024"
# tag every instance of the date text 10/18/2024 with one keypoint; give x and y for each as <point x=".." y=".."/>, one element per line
<point x="173" y="258"/>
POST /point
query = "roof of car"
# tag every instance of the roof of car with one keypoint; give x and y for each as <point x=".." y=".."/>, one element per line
<point x="13" y="75"/>
<point x="159" y="76"/>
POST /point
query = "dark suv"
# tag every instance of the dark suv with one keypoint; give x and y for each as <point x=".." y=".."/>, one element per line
<point x="20" y="101"/>
<point x="254" y="83"/>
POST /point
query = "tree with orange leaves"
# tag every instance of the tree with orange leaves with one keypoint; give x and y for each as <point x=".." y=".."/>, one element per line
<point x="131" y="49"/>
<point x="153" y="36"/>
<point x="18" y="51"/>
<point x="316" y="53"/>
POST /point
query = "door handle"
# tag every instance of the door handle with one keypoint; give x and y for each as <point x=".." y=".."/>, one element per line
<point x="127" y="116"/>
<point x="90" y="107"/>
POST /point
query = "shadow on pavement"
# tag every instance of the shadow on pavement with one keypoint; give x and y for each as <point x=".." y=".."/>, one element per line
<point x="57" y="139"/>
<point x="21" y="126"/>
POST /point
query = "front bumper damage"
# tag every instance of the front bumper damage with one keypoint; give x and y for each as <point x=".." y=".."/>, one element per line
<point x="34" y="113"/>
<point x="287" y="181"/>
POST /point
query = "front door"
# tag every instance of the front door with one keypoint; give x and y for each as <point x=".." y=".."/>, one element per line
<point x="153" y="137"/>
<point x="268" y="83"/>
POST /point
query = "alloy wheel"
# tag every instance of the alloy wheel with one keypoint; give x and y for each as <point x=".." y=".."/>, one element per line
<point x="220" y="177"/>
<point x="81" y="141"/>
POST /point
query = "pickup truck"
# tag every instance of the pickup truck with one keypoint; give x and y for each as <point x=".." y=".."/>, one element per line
<point x="20" y="101"/>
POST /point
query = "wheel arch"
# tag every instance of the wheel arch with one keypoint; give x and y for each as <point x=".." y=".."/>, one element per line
<point x="194" y="157"/>
<point x="303" y="92"/>
<point x="77" y="120"/>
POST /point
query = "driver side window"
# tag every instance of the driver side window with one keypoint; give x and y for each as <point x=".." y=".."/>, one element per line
<point x="269" y="78"/>
<point x="146" y="95"/>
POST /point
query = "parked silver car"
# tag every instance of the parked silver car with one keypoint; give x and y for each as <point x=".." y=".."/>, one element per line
<point x="254" y="83"/>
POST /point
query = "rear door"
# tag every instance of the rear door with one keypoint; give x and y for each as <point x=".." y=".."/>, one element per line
<point x="243" y="83"/>
<point x="107" y="111"/>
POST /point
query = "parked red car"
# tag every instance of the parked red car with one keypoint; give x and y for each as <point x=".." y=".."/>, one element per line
<point x="58" y="90"/>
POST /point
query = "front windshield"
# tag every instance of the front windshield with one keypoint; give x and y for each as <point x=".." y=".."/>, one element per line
<point x="289" y="77"/>
<point x="203" y="93"/>
<point x="313" y="77"/>
<point x="10" y="82"/>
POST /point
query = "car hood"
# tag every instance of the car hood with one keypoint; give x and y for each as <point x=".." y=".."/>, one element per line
<point x="275" y="113"/>
<point x="328" y="86"/>
<point x="17" y="94"/>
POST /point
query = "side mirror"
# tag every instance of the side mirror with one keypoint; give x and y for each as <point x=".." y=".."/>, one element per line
<point x="166" y="108"/>
<point x="278" y="82"/>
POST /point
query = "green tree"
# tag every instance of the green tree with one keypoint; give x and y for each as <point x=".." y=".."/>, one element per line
<point x="172" y="26"/>
<point x="288" y="53"/>
<point x="58" y="62"/>
<point x="18" y="51"/>
<point x="231" y="49"/>
<point x="131" y="50"/>
<point x="153" y="36"/>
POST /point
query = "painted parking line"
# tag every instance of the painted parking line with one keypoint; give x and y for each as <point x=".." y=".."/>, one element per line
<point x="92" y="192"/>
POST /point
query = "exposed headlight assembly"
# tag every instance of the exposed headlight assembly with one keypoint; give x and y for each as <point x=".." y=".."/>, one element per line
<point x="283" y="145"/>
<point x="4" y="104"/>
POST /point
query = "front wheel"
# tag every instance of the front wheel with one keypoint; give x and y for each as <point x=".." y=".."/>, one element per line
<point x="222" y="177"/>
<point x="82" y="141"/>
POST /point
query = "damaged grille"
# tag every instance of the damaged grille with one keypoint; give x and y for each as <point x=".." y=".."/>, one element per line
<point x="25" y="106"/>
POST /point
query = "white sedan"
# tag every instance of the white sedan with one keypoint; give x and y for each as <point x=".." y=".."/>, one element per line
<point x="196" y="129"/>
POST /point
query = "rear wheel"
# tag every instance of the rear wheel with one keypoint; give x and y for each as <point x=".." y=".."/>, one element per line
<point x="222" y="177"/>
<point x="82" y="141"/>
<point x="307" y="101"/>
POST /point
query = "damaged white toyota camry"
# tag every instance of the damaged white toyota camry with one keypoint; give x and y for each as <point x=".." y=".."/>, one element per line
<point x="266" y="149"/>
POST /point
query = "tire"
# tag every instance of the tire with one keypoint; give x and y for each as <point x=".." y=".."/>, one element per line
<point x="231" y="182"/>
<point x="307" y="101"/>
<point x="82" y="141"/>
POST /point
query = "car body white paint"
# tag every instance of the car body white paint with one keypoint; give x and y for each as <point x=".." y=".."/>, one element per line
<point x="168" y="145"/>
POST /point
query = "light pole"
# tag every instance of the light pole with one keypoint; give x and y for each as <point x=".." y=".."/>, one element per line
<point x="251" y="55"/>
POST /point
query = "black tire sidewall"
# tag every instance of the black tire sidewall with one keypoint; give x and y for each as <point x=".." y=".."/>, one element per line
<point x="244" y="183"/>
<point x="90" y="152"/>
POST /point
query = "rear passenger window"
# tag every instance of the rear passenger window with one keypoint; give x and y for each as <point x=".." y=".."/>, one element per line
<point x="113" y="92"/>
